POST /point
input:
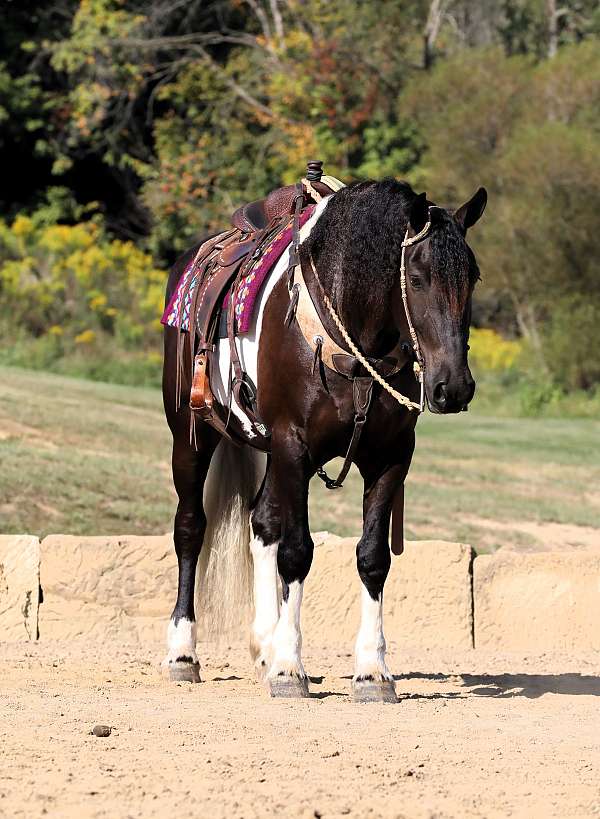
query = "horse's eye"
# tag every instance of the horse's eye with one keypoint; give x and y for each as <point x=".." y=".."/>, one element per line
<point x="416" y="282"/>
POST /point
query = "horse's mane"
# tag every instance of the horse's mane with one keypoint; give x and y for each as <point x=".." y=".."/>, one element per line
<point x="357" y="242"/>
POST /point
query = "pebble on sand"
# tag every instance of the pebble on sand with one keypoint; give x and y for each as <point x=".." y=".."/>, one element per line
<point x="101" y="730"/>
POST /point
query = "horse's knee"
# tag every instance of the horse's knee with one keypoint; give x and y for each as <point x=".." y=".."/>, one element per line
<point x="266" y="522"/>
<point x="373" y="563"/>
<point x="294" y="559"/>
<point x="266" y="525"/>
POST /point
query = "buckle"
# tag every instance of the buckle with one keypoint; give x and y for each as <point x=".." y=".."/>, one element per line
<point x="330" y="483"/>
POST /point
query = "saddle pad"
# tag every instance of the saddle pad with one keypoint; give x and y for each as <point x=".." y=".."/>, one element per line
<point x="249" y="287"/>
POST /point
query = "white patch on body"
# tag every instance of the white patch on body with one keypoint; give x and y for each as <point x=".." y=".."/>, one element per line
<point x="247" y="344"/>
<point x="287" y="639"/>
<point x="181" y="641"/>
<point x="266" y="602"/>
<point x="370" y="642"/>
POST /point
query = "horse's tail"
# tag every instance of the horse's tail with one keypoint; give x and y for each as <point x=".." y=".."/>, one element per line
<point x="224" y="585"/>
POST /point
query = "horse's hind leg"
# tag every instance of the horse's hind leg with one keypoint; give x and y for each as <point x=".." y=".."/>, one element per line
<point x="190" y="467"/>
<point x="266" y="533"/>
<point x="291" y="472"/>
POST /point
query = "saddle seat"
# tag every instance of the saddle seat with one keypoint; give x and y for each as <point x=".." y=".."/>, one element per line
<point x="255" y="216"/>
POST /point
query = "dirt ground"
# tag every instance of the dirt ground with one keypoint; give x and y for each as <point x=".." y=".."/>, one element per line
<point x="474" y="735"/>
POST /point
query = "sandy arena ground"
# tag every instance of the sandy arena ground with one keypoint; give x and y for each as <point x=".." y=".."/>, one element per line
<point x="475" y="735"/>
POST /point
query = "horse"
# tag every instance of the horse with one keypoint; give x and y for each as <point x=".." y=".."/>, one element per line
<point x="383" y="265"/>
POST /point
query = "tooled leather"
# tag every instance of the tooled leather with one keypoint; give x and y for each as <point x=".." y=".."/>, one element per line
<point x="362" y="388"/>
<point x="201" y="398"/>
<point x="235" y="251"/>
<point x="280" y="202"/>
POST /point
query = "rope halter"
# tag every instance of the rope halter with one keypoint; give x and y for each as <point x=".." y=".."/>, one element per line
<point x="419" y="364"/>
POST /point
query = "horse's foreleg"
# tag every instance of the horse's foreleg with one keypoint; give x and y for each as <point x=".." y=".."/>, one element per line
<point x="291" y="475"/>
<point x="189" y="473"/>
<point x="266" y="532"/>
<point x="372" y="679"/>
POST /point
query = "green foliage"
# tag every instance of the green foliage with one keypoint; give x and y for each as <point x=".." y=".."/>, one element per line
<point x="534" y="144"/>
<point x="571" y="339"/>
<point x="166" y="116"/>
<point x="72" y="289"/>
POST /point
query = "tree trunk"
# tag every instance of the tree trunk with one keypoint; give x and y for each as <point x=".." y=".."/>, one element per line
<point x="432" y="28"/>
<point x="552" y="14"/>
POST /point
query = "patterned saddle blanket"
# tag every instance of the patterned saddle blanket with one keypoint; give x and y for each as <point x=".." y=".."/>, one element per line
<point x="248" y="289"/>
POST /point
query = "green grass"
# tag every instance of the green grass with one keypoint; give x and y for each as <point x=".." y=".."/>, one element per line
<point x="92" y="458"/>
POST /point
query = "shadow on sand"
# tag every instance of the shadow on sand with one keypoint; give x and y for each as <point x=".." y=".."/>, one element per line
<point x="504" y="685"/>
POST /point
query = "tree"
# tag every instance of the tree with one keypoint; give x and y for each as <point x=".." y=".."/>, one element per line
<point x="533" y="143"/>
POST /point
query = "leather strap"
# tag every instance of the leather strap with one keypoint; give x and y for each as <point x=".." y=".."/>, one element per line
<point x="201" y="398"/>
<point x="398" y="521"/>
<point x="321" y="343"/>
<point x="244" y="392"/>
<point x="362" y="391"/>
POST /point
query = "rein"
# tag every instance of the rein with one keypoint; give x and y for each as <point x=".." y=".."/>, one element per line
<point x="362" y="387"/>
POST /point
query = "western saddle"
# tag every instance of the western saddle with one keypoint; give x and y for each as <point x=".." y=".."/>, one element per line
<point x="219" y="265"/>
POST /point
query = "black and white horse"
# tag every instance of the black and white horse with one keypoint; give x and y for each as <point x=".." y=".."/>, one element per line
<point x="359" y="249"/>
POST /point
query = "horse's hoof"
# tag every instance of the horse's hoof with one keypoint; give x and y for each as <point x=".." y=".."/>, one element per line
<point x="288" y="687"/>
<point x="374" y="691"/>
<point x="183" y="672"/>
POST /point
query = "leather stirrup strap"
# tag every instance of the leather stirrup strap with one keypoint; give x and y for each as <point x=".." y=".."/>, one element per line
<point x="398" y="521"/>
<point x="362" y="391"/>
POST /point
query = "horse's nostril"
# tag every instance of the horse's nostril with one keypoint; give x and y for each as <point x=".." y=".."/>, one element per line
<point x="439" y="393"/>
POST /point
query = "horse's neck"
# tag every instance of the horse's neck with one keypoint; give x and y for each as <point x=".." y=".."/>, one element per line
<point x="368" y="317"/>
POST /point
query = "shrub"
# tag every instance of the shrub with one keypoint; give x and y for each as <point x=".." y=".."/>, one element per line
<point x="490" y="352"/>
<point x="571" y="338"/>
<point x="74" y="282"/>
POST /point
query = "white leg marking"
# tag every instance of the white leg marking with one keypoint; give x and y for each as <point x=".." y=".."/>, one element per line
<point x="370" y="642"/>
<point x="287" y="640"/>
<point x="266" y="602"/>
<point x="181" y="641"/>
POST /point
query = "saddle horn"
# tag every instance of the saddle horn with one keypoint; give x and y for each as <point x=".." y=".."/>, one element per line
<point x="314" y="170"/>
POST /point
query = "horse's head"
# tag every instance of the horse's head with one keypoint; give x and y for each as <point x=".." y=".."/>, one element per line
<point x="440" y="274"/>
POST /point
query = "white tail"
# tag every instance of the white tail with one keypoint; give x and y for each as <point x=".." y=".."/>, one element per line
<point x="224" y="577"/>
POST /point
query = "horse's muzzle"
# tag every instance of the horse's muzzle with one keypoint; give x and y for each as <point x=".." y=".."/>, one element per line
<point x="447" y="394"/>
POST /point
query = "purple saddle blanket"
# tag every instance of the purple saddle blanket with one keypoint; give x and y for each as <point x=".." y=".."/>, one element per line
<point x="246" y="296"/>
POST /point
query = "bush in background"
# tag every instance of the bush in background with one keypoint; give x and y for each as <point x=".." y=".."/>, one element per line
<point x="74" y="300"/>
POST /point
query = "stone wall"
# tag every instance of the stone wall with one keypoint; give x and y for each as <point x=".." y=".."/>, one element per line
<point x="437" y="595"/>
<point x="427" y="600"/>
<point x="540" y="601"/>
<point x="106" y="587"/>
<point x="19" y="586"/>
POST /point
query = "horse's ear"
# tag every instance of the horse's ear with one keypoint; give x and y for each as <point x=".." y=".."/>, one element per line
<point x="471" y="211"/>
<point x="419" y="213"/>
